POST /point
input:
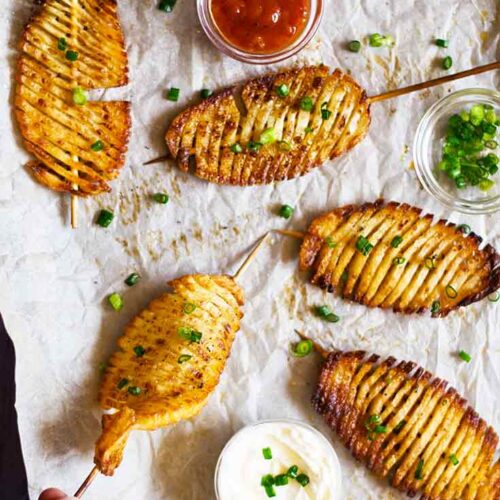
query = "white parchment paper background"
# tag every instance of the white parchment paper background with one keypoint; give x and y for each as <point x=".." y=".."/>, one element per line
<point x="53" y="281"/>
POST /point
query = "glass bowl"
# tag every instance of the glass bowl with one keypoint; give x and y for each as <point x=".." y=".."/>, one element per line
<point x="322" y="441"/>
<point x="218" y="39"/>
<point x="428" y="150"/>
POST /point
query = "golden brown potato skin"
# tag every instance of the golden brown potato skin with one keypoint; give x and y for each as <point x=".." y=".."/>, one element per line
<point x="56" y="131"/>
<point x="423" y="421"/>
<point x="170" y="390"/>
<point x="432" y="262"/>
<point x="207" y="131"/>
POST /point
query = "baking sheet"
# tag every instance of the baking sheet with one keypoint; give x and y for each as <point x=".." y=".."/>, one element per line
<point x="54" y="280"/>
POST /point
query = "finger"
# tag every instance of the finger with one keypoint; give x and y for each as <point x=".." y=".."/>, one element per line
<point x="53" y="494"/>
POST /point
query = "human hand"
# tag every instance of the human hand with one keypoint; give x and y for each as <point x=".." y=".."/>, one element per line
<point x="54" y="494"/>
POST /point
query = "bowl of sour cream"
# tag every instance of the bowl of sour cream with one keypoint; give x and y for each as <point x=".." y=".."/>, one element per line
<point x="282" y="459"/>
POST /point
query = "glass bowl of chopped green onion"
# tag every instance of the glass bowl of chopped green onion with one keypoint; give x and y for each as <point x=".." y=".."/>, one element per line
<point x="456" y="151"/>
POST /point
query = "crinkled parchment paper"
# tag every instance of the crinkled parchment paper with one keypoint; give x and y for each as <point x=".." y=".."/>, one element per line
<point x="53" y="280"/>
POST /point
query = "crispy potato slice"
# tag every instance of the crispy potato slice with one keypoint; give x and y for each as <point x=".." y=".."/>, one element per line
<point x="411" y="264"/>
<point x="58" y="132"/>
<point x="406" y="425"/>
<point x="304" y="138"/>
<point x="158" y="376"/>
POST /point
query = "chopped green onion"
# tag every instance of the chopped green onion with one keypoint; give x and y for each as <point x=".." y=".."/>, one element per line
<point x="135" y="391"/>
<point x="270" y="491"/>
<point x="491" y="144"/>
<point x="139" y="351"/>
<point x="267" y="480"/>
<point x="454" y="459"/>
<point x="188" y="333"/>
<point x="451" y="292"/>
<point x="286" y="211"/>
<point x="189" y="308"/>
<point x="308" y="130"/>
<point x="325" y="313"/>
<point x="293" y="471"/>
<point x="398" y="261"/>
<point x="282" y="90"/>
<point x="380" y="429"/>
<point x="167" y="5"/>
<point x="205" y="93"/>
<point x="71" y="55"/>
<point x="62" y="44"/>
<point x="354" y="46"/>
<point x="430" y="262"/>
<point x="132" y="279"/>
<point x="465" y="356"/>
<point x="396" y="241"/>
<point x="363" y="245"/>
<point x="173" y="94"/>
<point x="183" y="358"/>
<point x="97" y="146"/>
<point x="268" y="136"/>
<point x="477" y="114"/>
<point x="105" y="218"/>
<point x="464" y="228"/>
<point x="284" y="146"/>
<point x="79" y="96"/>
<point x="440" y="42"/>
<point x="268" y="454"/>
<point x="254" y="146"/>
<point x="399" y="426"/>
<point x="281" y="480"/>
<point x="494" y="297"/>
<point x="303" y="480"/>
<point x="435" y="307"/>
<point x="325" y="112"/>
<point x="329" y="242"/>
<point x="447" y="62"/>
<point x="306" y="103"/>
<point x="302" y="348"/>
<point x="378" y="40"/>
<point x="236" y="148"/>
<point x="161" y="198"/>
<point x="116" y="301"/>
<point x="122" y="383"/>
<point x="419" y="470"/>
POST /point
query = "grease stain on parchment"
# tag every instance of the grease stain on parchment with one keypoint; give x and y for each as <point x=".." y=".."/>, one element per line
<point x="294" y="297"/>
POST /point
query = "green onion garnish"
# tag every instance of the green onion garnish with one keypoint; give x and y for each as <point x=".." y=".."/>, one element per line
<point x="464" y="228"/>
<point x="380" y="429"/>
<point x="183" y="358"/>
<point x="167" y="5"/>
<point x="329" y="242"/>
<point x="79" y="96"/>
<point x="430" y="262"/>
<point x="286" y="211"/>
<point x="132" y="279"/>
<point x="105" y="218"/>
<point x="189" y="308"/>
<point x="354" y="46"/>
<point x="139" y="351"/>
<point x="268" y="454"/>
<point x="494" y="297"/>
<point x="303" y="480"/>
<point x="302" y="348"/>
<point x="281" y="480"/>
<point x="71" y="55"/>
<point x="284" y="146"/>
<point x="254" y="146"/>
<point x="363" y="245"/>
<point x="268" y="136"/>
<point x="188" y="333"/>
<point x="396" y="241"/>
<point x="116" y="301"/>
<point x="282" y="90"/>
<point x="378" y="40"/>
<point x="398" y="261"/>
<point x="173" y="94"/>
<point x="451" y="292"/>
<point x="453" y="459"/>
<point x="325" y="313"/>
<point x="419" y="470"/>
<point x="97" y="146"/>
<point x="308" y="130"/>
<point x="267" y="480"/>
<point x="293" y="471"/>
<point x="435" y="307"/>
<point x="161" y="198"/>
<point x="122" y="383"/>
<point x="306" y="103"/>
<point x="236" y="148"/>
<point x="440" y="42"/>
<point x="447" y="62"/>
<point x="325" y="112"/>
<point x="135" y="391"/>
<point x="205" y="93"/>
<point x="270" y="491"/>
<point x="62" y="44"/>
<point x="465" y="356"/>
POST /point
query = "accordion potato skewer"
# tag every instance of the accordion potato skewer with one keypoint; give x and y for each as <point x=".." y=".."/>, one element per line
<point x="390" y="255"/>
<point x="408" y="426"/>
<point x="293" y="121"/>
<point x="169" y="361"/>
<point x="68" y="47"/>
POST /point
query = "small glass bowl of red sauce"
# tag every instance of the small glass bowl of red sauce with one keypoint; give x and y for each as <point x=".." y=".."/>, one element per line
<point x="260" y="31"/>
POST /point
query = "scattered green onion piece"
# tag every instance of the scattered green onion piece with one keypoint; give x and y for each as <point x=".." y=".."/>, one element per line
<point x="419" y="470"/>
<point x="161" y="198"/>
<point x="139" y="351"/>
<point x="62" y="44"/>
<point x="306" y="103"/>
<point x="325" y="112"/>
<point x="183" y="358"/>
<point x="380" y="429"/>
<point x="79" y="96"/>
<point x="97" y="146"/>
<point x="308" y="130"/>
<point x="167" y="5"/>
<point x="440" y="42"/>
<point x="205" y="93"/>
<point x="354" y="46"/>
<point x="302" y="348"/>
<point x="464" y="228"/>
<point x="325" y="313"/>
<point x="267" y="480"/>
<point x="286" y="211"/>
<point x="236" y="148"/>
<point x="282" y="90"/>
<point x="396" y="241"/>
<point x="293" y="471"/>
<point x="188" y="333"/>
<point x="435" y="307"/>
<point x="303" y="480"/>
<point x="447" y="62"/>
<point x="116" y="301"/>
<point x="189" y="308"/>
<point x="132" y="279"/>
<point x="268" y="454"/>
<point x="122" y="383"/>
<point x="465" y="356"/>
<point x="476" y="114"/>
<point x="453" y="459"/>
<point x="71" y="55"/>
<point x="105" y="218"/>
<point x="430" y="262"/>
<point x="329" y="242"/>
<point x="491" y="144"/>
<point x="284" y="146"/>
<point x="268" y="136"/>
<point x="281" y="480"/>
<point x="376" y="40"/>
<point x="254" y="146"/>
<point x="398" y="261"/>
<point x="451" y="292"/>
<point x="486" y="184"/>
<point x="173" y="94"/>
<point x="363" y="245"/>
<point x="135" y="391"/>
<point x="494" y="297"/>
<point x="270" y="491"/>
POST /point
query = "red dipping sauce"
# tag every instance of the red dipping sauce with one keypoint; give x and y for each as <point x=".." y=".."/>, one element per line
<point x="260" y="26"/>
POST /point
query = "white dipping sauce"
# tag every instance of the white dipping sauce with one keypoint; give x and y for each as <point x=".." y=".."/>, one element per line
<point x="242" y="464"/>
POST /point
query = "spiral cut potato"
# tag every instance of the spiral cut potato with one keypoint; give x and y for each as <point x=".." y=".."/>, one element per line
<point x="389" y="255"/>
<point x="293" y="121"/>
<point x="406" y="425"/>
<point x="70" y="46"/>
<point x="169" y="362"/>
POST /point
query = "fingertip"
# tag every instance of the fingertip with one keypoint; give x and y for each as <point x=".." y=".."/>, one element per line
<point x="53" y="494"/>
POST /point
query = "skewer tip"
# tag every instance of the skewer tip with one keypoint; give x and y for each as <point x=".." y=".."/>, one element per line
<point x="88" y="481"/>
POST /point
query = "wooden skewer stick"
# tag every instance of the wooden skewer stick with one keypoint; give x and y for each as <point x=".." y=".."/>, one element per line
<point x="432" y="83"/>
<point x="88" y="481"/>
<point x="299" y="235"/>
<point x="158" y="160"/>
<point x="74" y="211"/>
